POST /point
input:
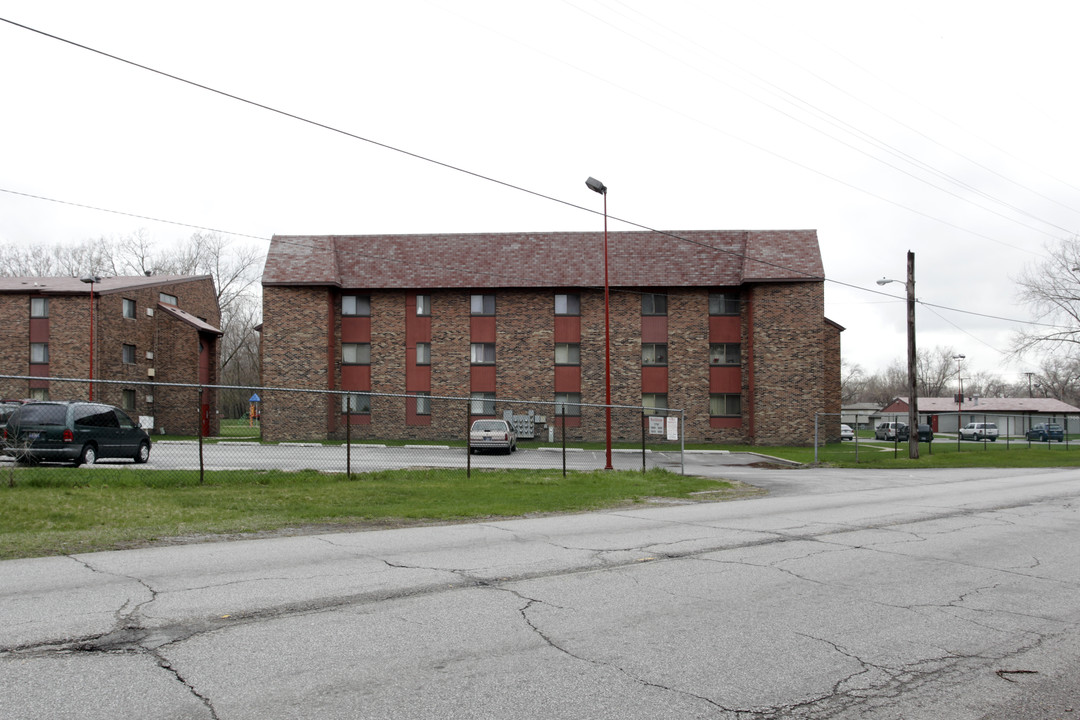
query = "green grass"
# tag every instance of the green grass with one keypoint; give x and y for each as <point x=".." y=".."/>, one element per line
<point x="942" y="453"/>
<point x="55" y="511"/>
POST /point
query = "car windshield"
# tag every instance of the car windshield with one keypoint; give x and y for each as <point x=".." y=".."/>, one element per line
<point x="489" y="426"/>
<point x="39" y="415"/>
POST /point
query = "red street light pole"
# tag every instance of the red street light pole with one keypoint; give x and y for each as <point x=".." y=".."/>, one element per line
<point x="599" y="187"/>
<point x="91" y="279"/>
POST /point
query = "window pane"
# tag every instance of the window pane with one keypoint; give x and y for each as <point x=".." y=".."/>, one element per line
<point x="39" y="393"/>
<point x="567" y="354"/>
<point x="356" y="353"/>
<point x="724" y="354"/>
<point x="724" y="304"/>
<point x="39" y="307"/>
<point x="423" y="403"/>
<point x="356" y="305"/>
<point x="357" y="404"/>
<point x="167" y="298"/>
<point x="128" y="352"/>
<point x="482" y="305"/>
<point x="567" y="305"/>
<point x="423" y="304"/>
<point x="568" y="404"/>
<point x="653" y="402"/>
<point x="653" y="304"/>
<point x="128" y="402"/>
<point x="725" y="405"/>
<point x="423" y="353"/>
<point x="129" y="308"/>
<point x="39" y="352"/>
<point x="654" y="354"/>
<point x="482" y="353"/>
<point x="482" y="403"/>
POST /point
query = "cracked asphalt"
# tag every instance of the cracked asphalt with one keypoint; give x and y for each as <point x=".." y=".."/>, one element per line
<point x="843" y="594"/>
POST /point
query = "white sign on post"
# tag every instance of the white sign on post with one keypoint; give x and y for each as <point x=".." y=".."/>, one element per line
<point x="656" y="425"/>
<point x="672" y="428"/>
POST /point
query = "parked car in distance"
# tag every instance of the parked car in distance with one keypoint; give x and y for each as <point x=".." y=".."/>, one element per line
<point x="979" y="431"/>
<point x="926" y="433"/>
<point x="76" y="432"/>
<point x="846" y="433"/>
<point x="492" y="435"/>
<point x="888" y="430"/>
<point x="1045" y="432"/>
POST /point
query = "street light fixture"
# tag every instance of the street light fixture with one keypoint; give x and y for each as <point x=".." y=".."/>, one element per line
<point x="913" y="387"/>
<point x="599" y="187"/>
<point x="91" y="279"/>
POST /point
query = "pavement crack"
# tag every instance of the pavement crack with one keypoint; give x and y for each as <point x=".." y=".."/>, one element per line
<point x="167" y="666"/>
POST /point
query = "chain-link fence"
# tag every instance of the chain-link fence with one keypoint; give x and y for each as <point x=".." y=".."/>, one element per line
<point x="952" y="432"/>
<point x="336" y="431"/>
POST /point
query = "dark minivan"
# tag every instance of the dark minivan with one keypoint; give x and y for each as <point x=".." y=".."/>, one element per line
<point x="77" y="432"/>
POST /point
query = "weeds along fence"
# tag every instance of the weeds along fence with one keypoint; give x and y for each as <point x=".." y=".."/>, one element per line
<point x="1012" y="432"/>
<point x="351" y="432"/>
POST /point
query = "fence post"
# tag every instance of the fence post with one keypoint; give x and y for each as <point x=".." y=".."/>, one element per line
<point x="643" y="441"/>
<point x="562" y="415"/>
<point x="468" y="438"/>
<point x="199" y="421"/>
<point x="348" y="437"/>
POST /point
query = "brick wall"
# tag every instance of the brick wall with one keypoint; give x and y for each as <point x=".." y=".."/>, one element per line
<point x="173" y="343"/>
<point x="792" y="350"/>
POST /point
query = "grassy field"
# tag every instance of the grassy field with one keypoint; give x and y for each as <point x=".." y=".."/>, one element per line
<point x="56" y="511"/>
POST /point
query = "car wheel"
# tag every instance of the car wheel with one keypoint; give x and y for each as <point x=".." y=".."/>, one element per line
<point x="88" y="456"/>
<point x="143" y="453"/>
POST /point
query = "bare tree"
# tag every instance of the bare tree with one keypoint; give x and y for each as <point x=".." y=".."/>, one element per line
<point x="852" y="382"/>
<point x="1051" y="288"/>
<point x="936" y="369"/>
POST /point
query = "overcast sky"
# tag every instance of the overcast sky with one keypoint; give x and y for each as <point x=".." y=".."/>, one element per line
<point x="945" y="128"/>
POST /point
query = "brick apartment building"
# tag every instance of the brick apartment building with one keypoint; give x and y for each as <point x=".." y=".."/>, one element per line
<point x="146" y="330"/>
<point x="726" y="325"/>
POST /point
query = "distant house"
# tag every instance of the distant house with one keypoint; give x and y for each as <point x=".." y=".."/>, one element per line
<point x="146" y="330"/>
<point x="1013" y="416"/>
<point x="859" y="415"/>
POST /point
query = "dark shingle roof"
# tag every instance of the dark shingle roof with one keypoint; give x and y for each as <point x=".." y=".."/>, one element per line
<point x="74" y="286"/>
<point x="558" y="259"/>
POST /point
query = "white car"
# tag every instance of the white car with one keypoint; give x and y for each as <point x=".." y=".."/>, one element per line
<point x="979" y="431"/>
<point x="492" y="435"/>
<point x="846" y="433"/>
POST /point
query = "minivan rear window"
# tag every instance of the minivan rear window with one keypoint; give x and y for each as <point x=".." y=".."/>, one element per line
<point x="39" y="415"/>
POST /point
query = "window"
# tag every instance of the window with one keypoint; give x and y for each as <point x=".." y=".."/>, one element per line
<point x="167" y="299"/>
<point x="567" y="354"/>
<point x="483" y="305"/>
<point x="567" y="304"/>
<point x="423" y="353"/>
<point x="654" y="403"/>
<point x="356" y="353"/>
<point x="127" y="400"/>
<point x="653" y="304"/>
<point x="39" y="393"/>
<point x="724" y="354"/>
<point x="127" y="354"/>
<point x="568" y="404"/>
<point x="356" y="305"/>
<point x="423" y="403"/>
<point x="129" y="308"/>
<point x="39" y="352"/>
<point x="482" y="353"/>
<point x="423" y="305"/>
<point x="653" y="354"/>
<point x="482" y="403"/>
<point x="724" y="405"/>
<point x="356" y="404"/>
<point x="724" y="303"/>
<point x="39" y="307"/>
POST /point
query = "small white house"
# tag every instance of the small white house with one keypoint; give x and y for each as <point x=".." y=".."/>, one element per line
<point x="1013" y="416"/>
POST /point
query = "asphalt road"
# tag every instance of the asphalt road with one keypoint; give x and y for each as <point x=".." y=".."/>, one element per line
<point x="843" y="594"/>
